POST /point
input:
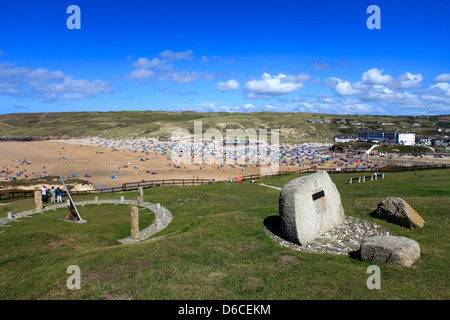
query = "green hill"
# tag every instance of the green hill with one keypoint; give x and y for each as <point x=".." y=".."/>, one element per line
<point x="294" y="127"/>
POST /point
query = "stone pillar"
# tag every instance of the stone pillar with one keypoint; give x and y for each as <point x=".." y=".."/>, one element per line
<point x="140" y="195"/>
<point x="122" y="198"/>
<point x="134" y="222"/>
<point x="38" y="200"/>
<point x="158" y="206"/>
<point x="10" y="215"/>
<point x="96" y="200"/>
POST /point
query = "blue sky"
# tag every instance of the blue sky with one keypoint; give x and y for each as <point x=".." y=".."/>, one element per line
<point x="236" y="56"/>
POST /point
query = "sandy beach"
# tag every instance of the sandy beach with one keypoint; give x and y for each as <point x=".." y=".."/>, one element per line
<point x="111" y="163"/>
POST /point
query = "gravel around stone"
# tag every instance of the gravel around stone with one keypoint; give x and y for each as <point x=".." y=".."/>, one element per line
<point x="343" y="239"/>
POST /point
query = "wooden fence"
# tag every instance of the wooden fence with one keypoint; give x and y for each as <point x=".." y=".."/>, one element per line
<point x="154" y="183"/>
<point x="333" y="170"/>
<point x="17" y="194"/>
<point x="194" y="182"/>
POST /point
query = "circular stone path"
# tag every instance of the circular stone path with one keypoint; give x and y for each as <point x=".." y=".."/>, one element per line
<point x="162" y="216"/>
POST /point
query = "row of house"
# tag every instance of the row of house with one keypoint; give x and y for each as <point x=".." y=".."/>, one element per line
<point x="433" y="141"/>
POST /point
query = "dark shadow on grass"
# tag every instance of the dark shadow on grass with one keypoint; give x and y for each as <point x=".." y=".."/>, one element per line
<point x="355" y="255"/>
<point x="273" y="224"/>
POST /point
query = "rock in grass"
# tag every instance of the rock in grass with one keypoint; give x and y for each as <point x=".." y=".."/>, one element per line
<point x="309" y="206"/>
<point x="398" y="251"/>
<point x="398" y="211"/>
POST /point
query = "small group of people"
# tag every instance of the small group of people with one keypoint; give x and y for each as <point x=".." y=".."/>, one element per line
<point x="55" y="194"/>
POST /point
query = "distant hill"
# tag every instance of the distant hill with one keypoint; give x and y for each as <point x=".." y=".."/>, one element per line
<point x="294" y="127"/>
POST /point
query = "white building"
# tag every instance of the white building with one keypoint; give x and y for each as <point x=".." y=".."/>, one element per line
<point x="405" y="138"/>
<point x="345" y="138"/>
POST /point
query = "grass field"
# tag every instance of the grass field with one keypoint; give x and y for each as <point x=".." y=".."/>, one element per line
<point x="216" y="247"/>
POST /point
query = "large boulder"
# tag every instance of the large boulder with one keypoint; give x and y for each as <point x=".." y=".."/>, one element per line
<point x="398" y="211"/>
<point x="399" y="251"/>
<point x="309" y="206"/>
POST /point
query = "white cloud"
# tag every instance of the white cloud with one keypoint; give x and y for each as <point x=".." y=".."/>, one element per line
<point x="342" y="87"/>
<point x="41" y="83"/>
<point x="438" y="96"/>
<point x="374" y="76"/>
<point x="406" y="80"/>
<point x="248" y="106"/>
<point x="384" y="95"/>
<point x="274" y="85"/>
<point x="409" y="80"/>
<point x="403" y="93"/>
<point x="444" y="77"/>
<point x="140" y="73"/>
<point x="231" y="84"/>
<point x="144" y="63"/>
<point x="441" y="88"/>
<point x="169" y="55"/>
<point x="321" y="65"/>
<point x="162" y="70"/>
<point x="223" y="60"/>
<point x="185" y="77"/>
<point x="377" y="87"/>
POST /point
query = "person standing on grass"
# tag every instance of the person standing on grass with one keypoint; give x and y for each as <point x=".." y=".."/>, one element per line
<point x="44" y="194"/>
<point x="58" y="195"/>
<point x="52" y="195"/>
